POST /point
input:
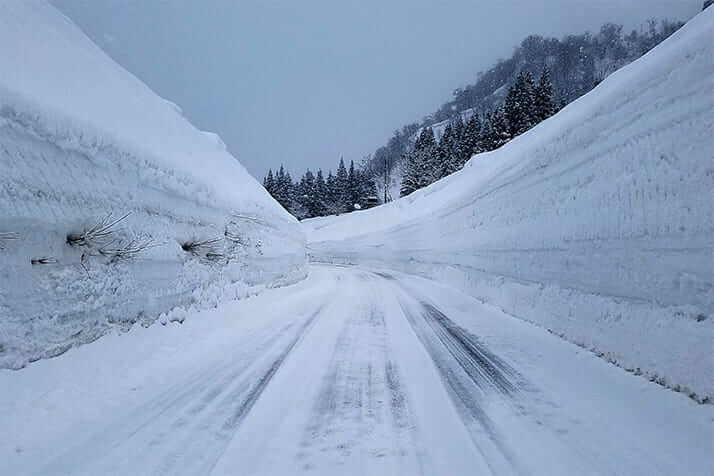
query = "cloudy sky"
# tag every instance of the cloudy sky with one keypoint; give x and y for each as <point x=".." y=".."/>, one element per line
<point x="303" y="82"/>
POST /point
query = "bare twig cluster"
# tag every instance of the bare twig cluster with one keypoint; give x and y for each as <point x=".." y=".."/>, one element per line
<point x="234" y="237"/>
<point x="213" y="256"/>
<point x="43" y="260"/>
<point x="119" y="250"/>
<point x="98" y="234"/>
<point x="200" y="247"/>
<point x="209" y="248"/>
<point x="101" y="240"/>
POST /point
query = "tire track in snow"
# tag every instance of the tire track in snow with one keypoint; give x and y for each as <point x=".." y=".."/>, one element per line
<point x="361" y="409"/>
<point x="231" y="411"/>
<point x="472" y="375"/>
<point x="485" y="369"/>
<point x="187" y="428"/>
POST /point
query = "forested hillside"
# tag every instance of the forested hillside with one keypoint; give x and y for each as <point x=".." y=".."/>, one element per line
<point x="542" y="76"/>
<point x="315" y="195"/>
<point x="576" y="64"/>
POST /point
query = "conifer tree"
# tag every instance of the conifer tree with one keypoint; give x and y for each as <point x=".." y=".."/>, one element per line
<point x="321" y="195"/>
<point x="442" y="162"/>
<point x="427" y="151"/>
<point x="332" y="194"/>
<point x="341" y="187"/>
<point x="417" y="173"/>
<point x="369" y="186"/>
<point x="499" y="129"/>
<point x="269" y="182"/>
<point x="461" y="151"/>
<point x="519" y="105"/>
<point x="282" y="188"/>
<point x="543" y="97"/>
<point x="353" y="187"/>
<point x="308" y="198"/>
<point x="472" y="136"/>
<point x="410" y="177"/>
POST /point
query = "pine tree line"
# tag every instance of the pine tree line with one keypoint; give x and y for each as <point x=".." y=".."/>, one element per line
<point x="315" y="195"/>
<point x="527" y="103"/>
<point x="574" y="65"/>
<point x="577" y="63"/>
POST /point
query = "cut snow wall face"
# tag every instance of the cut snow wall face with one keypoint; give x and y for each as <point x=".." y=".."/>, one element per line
<point x="597" y="224"/>
<point x="82" y="141"/>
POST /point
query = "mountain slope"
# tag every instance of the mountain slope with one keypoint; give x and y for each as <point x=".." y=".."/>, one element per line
<point x="83" y="142"/>
<point x="597" y="224"/>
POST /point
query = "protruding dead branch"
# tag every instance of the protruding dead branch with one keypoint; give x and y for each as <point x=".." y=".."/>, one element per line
<point x="98" y="234"/>
<point x="43" y="260"/>
<point x="121" y="250"/>
<point x="201" y="247"/>
<point x="210" y="256"/>
<point x="234" y="237"/>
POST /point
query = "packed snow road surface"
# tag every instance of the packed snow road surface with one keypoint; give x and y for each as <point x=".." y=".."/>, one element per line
<point x="352" y="371"/>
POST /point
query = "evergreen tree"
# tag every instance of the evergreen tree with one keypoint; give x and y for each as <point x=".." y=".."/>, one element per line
<point x="410" y="177"/>
<point x="543" y="97"/>
<point x="472" y="136"/>
<point x="341" y="188"/>
<point x="298" y="206"/>
<point x="418" y="173"/>
<point x="461" y="151"/>
<point x="441" y="162"/>
<point x="308" y="199"/>
<point x="499" y="129"/>
<point x="269" y="182"/>
<point x="369" y="187"/>
<point x="321" y="193"/>
<point x="519" y="106"/>
<point x="353" y="187"/>
<point x="283" y="188"/>
<point x="332" y="194"/>
<point x="427" y="151"/>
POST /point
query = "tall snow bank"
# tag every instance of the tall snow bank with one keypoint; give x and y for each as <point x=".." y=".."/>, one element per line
<point x="598" y="224"/>
<point x="82" y="141"/>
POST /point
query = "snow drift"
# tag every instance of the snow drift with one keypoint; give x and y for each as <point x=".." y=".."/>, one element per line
<point x="83" y="142"/>
<point x="597" y="224"/>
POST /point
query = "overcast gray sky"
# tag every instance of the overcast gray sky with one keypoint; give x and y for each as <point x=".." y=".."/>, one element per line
<point x="303" y="82"/>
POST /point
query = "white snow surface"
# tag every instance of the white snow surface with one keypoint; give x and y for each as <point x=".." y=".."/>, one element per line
<point x="598" y="224"/>
<point x="350" y="372"/>
<point x="80" y="139"/>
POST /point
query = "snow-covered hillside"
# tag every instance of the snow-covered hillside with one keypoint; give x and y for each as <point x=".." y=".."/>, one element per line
<point x="597" y="224"/>
<point x="83" y="142"/>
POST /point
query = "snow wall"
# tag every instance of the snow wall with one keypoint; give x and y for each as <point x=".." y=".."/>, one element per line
<point x="598" y="224"/>
<point x="83" y="142"/>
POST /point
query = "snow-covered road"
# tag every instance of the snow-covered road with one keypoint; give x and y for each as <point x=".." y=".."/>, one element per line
<point x="352" y="371"/>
